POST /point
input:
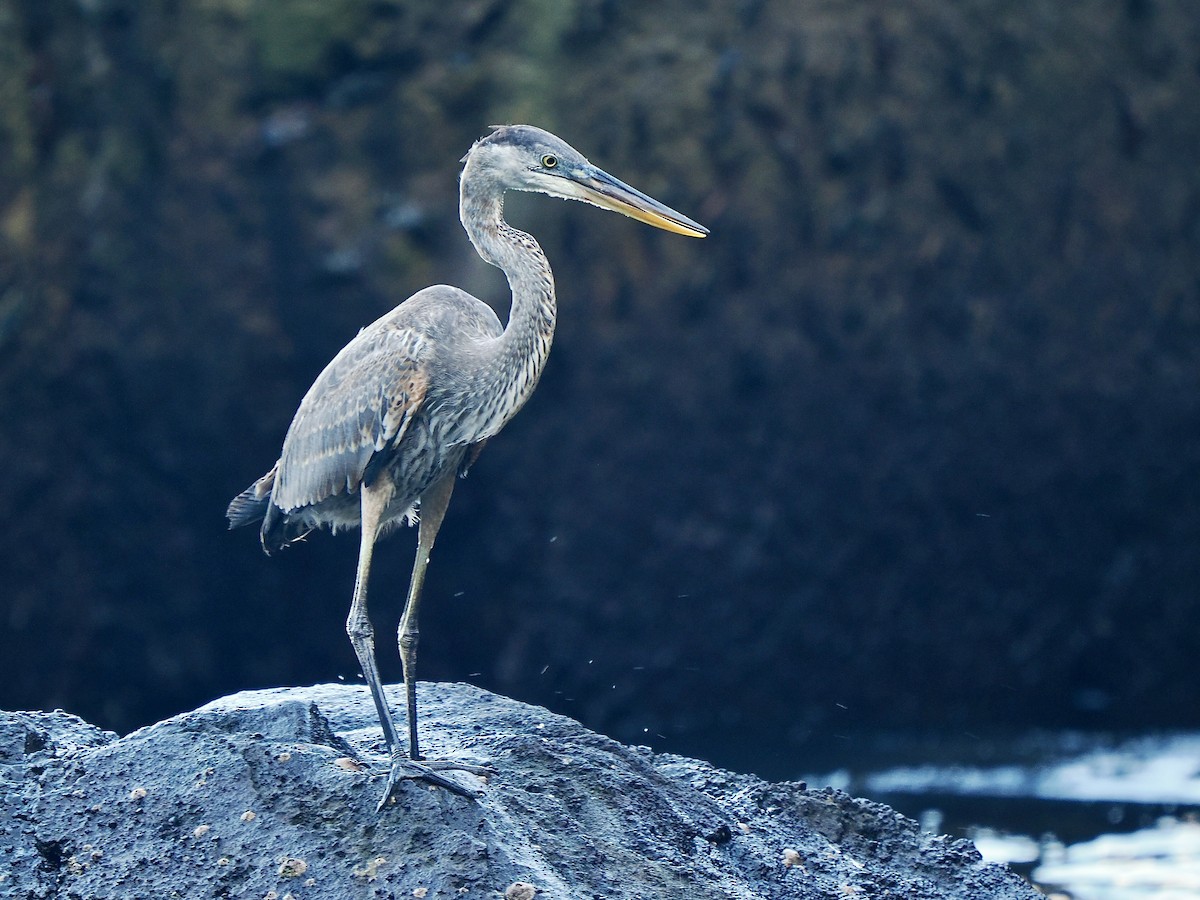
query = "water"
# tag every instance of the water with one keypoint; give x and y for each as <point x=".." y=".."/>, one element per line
<point x="1084" y="817"/>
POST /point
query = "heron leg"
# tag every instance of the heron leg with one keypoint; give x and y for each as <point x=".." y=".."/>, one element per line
<point x="433" y="510"/>
<point x="374" y="501"/>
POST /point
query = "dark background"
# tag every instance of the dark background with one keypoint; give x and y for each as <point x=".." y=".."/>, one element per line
<point x="911" y="441"/>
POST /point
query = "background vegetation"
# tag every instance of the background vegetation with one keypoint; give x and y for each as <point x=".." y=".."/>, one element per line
<point x="913" y="440"/>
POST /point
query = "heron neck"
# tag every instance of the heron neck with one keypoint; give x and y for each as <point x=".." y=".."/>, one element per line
<point x="522" y="350"/>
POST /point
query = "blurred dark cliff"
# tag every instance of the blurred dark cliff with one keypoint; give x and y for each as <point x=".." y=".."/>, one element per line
<point x="913" y="439"/>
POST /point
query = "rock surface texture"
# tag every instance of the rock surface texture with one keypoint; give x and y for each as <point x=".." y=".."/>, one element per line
<point x="272" y="794"/>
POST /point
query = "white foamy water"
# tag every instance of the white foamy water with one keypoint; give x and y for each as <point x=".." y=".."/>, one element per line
<point x="1146" y="770"/>
<point x="1158" y="862"/>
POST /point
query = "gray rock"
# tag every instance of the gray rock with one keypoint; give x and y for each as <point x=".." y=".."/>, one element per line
<point x="272" y="794"/>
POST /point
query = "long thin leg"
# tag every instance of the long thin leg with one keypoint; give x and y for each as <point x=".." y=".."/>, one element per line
<point x="433" y="510"/>
<point x="374" y="501"/>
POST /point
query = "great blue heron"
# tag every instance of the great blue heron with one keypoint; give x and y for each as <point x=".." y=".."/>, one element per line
<point x="411" y="400"/>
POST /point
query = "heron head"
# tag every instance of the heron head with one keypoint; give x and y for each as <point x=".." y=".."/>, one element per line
<point x="525" y="158"/>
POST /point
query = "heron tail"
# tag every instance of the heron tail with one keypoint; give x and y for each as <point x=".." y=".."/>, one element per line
<point x="246" y="509"/>
<point x="254" y="505"/>
<point x="251" y="505"/>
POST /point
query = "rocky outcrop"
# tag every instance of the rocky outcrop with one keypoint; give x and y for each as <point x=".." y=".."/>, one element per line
<point x="272" y="794"/>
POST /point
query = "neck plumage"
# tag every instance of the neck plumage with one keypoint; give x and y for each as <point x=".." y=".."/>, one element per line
<point x="521" y="351"/>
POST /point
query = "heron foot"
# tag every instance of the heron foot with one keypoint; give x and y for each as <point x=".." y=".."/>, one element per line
<point x="404" y="768"/>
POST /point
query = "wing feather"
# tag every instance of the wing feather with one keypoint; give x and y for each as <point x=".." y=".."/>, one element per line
<point x="363" y="402"/>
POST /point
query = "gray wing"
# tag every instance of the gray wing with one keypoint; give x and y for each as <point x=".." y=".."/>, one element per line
<point x="363" y="401"/>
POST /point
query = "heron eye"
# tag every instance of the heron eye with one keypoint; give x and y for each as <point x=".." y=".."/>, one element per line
<point x="549" y="161"/>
